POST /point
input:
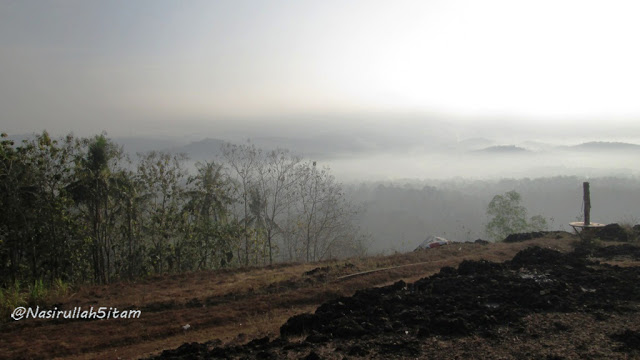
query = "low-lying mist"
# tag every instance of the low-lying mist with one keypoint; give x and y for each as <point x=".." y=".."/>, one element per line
<point x="442" y="187"/>
<point x="483" y="165"/>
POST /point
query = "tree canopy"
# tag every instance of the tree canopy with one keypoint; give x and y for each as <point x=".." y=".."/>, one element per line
<point x="79" y="210"/>
<point x="508" y="216"/>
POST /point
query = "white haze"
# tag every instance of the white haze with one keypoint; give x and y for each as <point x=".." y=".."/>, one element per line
<point x="398" y="167"/>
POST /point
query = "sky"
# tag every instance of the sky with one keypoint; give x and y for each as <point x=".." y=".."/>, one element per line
<point x="210" y="68"/>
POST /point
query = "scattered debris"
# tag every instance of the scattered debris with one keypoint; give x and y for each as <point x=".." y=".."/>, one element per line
<point x="432" y="242"/>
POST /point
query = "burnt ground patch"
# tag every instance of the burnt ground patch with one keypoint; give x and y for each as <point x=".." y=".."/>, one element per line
<point x="478" y="299"/>
<point x="520" y="237"/>
<point x="630" y="340"/>
<point x="617" y="251"/>
<point x="612" y="232"/>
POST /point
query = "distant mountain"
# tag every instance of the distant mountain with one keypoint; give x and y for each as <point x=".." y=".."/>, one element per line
<point x="605" y="146"/>
<point x="474" y="144"/>
<point x="202" y="150"/>
<point x="503" y="149"/>
<point x="317" y="146"/>
<point x="537" y="146"/>
<point x="134" y="145"/>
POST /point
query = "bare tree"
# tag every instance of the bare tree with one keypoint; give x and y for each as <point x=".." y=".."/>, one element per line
<point x="243" y="160"/>
<point x="325" y="216"/>
<point x="277" y="178"/>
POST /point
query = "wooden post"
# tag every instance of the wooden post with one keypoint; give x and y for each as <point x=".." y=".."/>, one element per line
<point x="587" y="204"/>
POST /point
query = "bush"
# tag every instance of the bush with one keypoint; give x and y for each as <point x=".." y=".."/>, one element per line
<point x="10" y="299"/>
<point x="37" y="293"/>
<point x="510" y="217"/>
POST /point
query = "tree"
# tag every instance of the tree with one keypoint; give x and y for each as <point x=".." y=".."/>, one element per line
<point x="280" y="200"/>
<point x="130" y="247"/>
<point x="94" y="192"/>
<point x="324" y="215"/>
<point x="40" y="236"/>
<point x="162" y="177"/>
<point x="510" y="217"/>
<point x="277" y="178"/>
<point x="210" y="228"/>
<point x="75" y="210"/>
<point x="538" y="223"/>
<point x="243" y="161"/>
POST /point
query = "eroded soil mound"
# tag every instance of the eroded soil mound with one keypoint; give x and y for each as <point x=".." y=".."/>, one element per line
<point x="520" y="237"/>
<point x="479" y="299"/>
<point x="617" y="251"/>
<point x="612" y="232"/>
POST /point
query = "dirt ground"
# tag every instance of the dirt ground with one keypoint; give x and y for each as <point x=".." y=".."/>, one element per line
<point x="542" y="304"/>
<point x="546" y="302"/>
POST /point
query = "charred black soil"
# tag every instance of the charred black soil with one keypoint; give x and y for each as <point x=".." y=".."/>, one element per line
<point x="541" y="304"/>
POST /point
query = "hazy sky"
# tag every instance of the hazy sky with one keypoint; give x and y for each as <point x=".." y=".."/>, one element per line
<point x="131" y="67"/>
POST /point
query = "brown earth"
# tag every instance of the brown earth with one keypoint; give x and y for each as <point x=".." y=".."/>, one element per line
<point x="226" y="309"/>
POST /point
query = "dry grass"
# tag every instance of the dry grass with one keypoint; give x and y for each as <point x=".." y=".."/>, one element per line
<point x="233" y="306"/>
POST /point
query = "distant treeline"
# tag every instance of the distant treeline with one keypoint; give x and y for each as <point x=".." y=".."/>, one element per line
<point x="77" y="209"/>
<point x="400" y="215"/>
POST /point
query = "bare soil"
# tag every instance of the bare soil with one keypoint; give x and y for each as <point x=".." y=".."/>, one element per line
<point x="441" y="303"/>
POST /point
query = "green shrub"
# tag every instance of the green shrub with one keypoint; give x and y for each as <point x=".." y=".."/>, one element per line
<point x="60" y="288"/>
<point x="37" y="293"/>
<point x="10" y="299"/>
